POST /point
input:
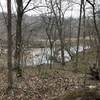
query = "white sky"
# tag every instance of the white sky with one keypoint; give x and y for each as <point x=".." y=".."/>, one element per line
<point x="75" y="12"/>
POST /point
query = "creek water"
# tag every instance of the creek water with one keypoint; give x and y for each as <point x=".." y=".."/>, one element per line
<point x="37" y="56"/>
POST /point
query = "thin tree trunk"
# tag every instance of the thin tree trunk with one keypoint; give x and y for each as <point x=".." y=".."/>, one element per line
<point x="9" y="28"/>
<point x="70" y="31"/>
<point x="84" y="33"/>
<point x="78" y="36"/>
<point x="62" y="49"/>
<point x="61" y="35"/>
<point x="19" y="37"/>
<point x="98" y="35"/>
<point x="97" y="31"/>
<point x="51" y="59"/>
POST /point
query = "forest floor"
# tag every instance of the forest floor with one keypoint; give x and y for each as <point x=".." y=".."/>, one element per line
<point x="58" y="83"/>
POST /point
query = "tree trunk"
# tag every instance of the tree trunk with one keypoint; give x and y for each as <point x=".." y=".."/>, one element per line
<point x="84" y="33"/>
<point x="98" y="35"/>
<point x="9" y="28"/>
<point x="78" y="36"/>
<point x="70" y="32"/>
<point x="60" y="31"/>
<point x="19" y="37"/>
<point x="62" y="51"/>
<point x="51" y="50"/>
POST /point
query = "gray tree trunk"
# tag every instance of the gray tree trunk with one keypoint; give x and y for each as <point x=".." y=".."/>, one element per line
<point x="84" y="25"/>
<point x="78" y="36"/>
<point x="19" y="37"/>
<point x="9" y="29"/>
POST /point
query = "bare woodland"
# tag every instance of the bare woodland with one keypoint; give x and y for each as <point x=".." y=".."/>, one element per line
<point x="50" y="50"/>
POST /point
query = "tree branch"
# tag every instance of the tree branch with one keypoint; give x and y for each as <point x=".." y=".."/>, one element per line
<point x="26" y="5"/>
<point x="33" y="8"/>
<point x="90" y="3"/>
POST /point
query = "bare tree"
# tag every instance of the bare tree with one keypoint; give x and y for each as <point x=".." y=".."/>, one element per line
<point x="51" y="34"/>
<point x="97" y="31"/>
<point x="59" y="20"/>
<point x="21" y="10"/>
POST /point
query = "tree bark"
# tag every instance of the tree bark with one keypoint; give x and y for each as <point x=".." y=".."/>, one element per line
<point x="78" y="36"/>
<point x="98" y="36"/>
<point x="9" y="29"/>
<point x="19" y="37"/>
<point x="84" y="25"/>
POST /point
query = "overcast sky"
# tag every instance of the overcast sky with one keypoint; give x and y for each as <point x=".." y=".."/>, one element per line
<point x="74" y="12"/>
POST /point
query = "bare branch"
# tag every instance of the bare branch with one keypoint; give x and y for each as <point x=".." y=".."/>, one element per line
<point x="33" y="8"/>
<point x="90" y="3"/>
<point x="26" y="5"/>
